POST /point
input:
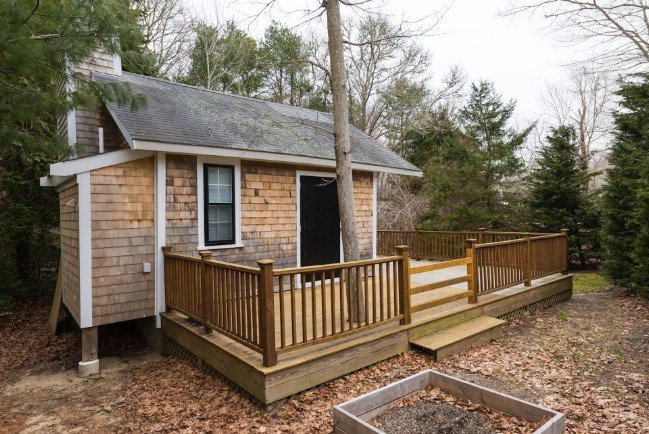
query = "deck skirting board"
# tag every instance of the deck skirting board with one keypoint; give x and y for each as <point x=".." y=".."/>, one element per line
<point x="313" y="368"/>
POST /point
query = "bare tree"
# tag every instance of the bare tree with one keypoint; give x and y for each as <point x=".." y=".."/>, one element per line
<point x="584" y="102"/>
<point x="167" y="32"/>
<point x="379" y="59"/>
<point x="616" y="31"/>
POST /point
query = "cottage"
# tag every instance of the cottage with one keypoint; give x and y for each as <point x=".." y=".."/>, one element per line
<point x="212" y="220"/>
<point x="196" y="170"/>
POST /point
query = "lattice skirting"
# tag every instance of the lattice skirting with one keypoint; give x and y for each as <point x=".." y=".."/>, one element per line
<point x="171" y="348"/>
<point x="541" y="304"/>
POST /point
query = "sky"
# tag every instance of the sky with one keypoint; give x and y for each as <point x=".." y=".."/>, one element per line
<point x="517" y="53"/>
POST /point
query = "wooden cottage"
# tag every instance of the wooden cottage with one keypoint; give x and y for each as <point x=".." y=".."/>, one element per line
<point x="196" y="170"/>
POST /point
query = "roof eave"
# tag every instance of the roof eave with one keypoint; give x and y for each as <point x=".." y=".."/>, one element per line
<point x="176" y="148"/>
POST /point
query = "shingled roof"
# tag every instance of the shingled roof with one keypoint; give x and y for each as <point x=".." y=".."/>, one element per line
<point x="186" y="115"/>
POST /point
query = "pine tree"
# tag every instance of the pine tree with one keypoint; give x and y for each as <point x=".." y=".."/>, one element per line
<point x="486" y="121"/>
<point x="625" y="234"/>
<point x="558" y="195"/>
<point x="36" y="37"/>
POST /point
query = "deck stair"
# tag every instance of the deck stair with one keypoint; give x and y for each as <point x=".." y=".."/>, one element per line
<point x="478" y="331"/>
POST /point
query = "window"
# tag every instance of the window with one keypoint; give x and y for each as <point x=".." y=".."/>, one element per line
<point x="219" y="221"/>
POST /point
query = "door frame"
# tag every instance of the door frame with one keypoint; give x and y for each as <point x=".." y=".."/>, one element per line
<point x="298" y="174"/>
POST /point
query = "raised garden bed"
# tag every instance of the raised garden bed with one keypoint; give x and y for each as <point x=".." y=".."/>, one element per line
<point x="411" y="405"/>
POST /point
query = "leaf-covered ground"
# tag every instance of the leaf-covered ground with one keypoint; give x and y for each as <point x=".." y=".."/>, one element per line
<point x="585" y="357"/>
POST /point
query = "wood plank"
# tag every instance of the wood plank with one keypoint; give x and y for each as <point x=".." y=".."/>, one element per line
<point x="458" y="333"/>
<point x="440" y="301"/>
<point x="418" y="289"/>
<point x="439" y="265"/>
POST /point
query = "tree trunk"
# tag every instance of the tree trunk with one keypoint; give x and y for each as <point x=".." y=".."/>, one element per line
<point x="342" y="145"/>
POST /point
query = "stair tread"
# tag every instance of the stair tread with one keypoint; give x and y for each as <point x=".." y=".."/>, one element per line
<point x="458" y="332"/>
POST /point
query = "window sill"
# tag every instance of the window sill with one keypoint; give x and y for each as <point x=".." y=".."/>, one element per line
<point x="224" y="246"/>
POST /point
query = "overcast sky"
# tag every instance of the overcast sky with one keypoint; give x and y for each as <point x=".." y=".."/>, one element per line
<point x="517" y="53"/>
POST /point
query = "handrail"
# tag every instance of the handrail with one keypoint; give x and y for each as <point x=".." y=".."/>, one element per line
<point x="334" y="266"/>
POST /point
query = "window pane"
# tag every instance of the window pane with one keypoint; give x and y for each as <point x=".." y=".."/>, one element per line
<point x="219" y="223"/>
<point x="219" y="182"/>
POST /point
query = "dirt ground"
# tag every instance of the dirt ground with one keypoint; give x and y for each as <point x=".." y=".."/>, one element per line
<point x="586" y="357"/>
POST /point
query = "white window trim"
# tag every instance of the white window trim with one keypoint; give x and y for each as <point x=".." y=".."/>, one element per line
<point x="200" y="197"/>
<point x="298" y="238"/>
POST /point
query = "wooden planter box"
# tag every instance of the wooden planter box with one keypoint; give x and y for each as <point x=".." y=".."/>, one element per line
<point x="353" y="416"/>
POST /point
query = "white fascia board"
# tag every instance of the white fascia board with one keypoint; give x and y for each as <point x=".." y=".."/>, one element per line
<point x="53" y="181"/>
<point x="85" y="164"/>
<point x="261" y="156"/>
<point x="85" y="251"/>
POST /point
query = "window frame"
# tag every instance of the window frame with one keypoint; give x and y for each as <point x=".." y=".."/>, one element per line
<point x="202" y="199"/>
<point x="206" y="205"/>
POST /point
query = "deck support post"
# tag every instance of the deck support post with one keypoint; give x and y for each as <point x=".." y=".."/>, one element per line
<point x="267" y="312"/>
<point x="527" y="257"/>
<point x="206" y="304"/>
<point x="567" y="257"/>
<point x="89" y="364"/>
<point x="471" y="270"/>
<point x="404" y="285"/>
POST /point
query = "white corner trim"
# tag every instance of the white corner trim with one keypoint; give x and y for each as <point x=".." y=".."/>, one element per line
<point x="100" y="135"/>
<point x="200" y="195"/>
<point x="374" y="211"/>
<point x="298" y="236"/>
<point x="261" y="156"/>
<point x="160" y="216"/>
<point x="85" y="251"/>
<point x="86" y="164"/>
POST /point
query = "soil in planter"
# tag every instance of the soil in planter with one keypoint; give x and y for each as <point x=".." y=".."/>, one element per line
<point x="434" y="411"/>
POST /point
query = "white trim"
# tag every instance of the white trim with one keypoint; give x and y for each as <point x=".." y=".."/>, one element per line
<point x="374" y="211"/>
<point x="100" y="136"/>
<point x="52" y="181"/>
<point x="298" y="225"/>
<point x="71" y="122"/>
<point x="160" y="216"/>
<point x="117" y="65"/>
<point x="201" y="205"/>
<point x="260" y="156"/>
<point x="85" y="251"/>
<point x="86" y="164"/>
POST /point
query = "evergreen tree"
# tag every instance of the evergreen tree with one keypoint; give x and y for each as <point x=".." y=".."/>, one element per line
<point x="36" y="37"/>
<point x="284" y="56"/>
<point x="558" y="195"/>
<point x="485" y="120"/>
<point x="625" y="234"/>
<point x="225" y="59"/>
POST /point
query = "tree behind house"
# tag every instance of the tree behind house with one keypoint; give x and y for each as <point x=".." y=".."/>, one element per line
<point x="35" y="39"/>
<point x="559" y="197"/>
<point x="625" y="205"/>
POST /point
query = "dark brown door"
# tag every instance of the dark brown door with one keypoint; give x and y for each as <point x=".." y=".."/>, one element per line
<point x="319" y="221"/>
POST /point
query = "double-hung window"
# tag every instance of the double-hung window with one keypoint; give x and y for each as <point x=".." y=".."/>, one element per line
<point x="219" y="194"/>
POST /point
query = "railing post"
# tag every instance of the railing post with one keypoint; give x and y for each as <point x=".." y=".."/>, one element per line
<point x="404" y="284"/>
<point x="481" y="235"/>
<point x="471" y="270"/>
<point x="267" y="312"/>
<point x="527" y="259"/>
<point x="565" y="233"/>
<point x="416" y="251"/>
<point x="206" y="255"/>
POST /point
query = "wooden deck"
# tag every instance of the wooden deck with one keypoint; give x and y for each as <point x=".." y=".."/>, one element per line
<point x="310" y="365"/>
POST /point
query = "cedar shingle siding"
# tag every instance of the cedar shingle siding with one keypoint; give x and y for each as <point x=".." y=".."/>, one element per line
<point x="268" y="211"/>
<point x="123" y="238"/>
<point x="69" y="222"/>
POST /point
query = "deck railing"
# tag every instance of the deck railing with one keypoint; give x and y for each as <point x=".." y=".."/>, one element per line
<point x="440" y="245"/>
<point x="274" y="311"/>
